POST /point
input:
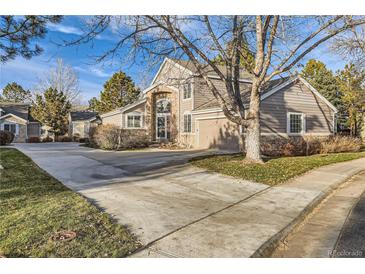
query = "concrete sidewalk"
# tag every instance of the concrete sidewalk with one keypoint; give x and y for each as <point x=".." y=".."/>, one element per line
<point x="254" y="227"/>
<point x="318" y="235"/>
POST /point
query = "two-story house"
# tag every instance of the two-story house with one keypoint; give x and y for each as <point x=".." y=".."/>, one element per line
<point x="179" y="107"/>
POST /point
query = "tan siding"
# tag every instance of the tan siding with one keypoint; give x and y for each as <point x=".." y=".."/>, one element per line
<point x="203" y="95"/>
<point x="116" y="119"/>
<point x="295" y="98"/>
<point x="140" y="108"/>
<point x="172" y="75"/>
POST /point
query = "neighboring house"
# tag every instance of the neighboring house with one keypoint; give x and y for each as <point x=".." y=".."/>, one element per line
<point x="16" y="118"/>
<point x="179" y="107"/>
<point x="80" y="123"/>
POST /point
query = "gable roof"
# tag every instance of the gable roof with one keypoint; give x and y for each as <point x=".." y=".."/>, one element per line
<point x="123" y="109"/>
<point x="269" y="89"/>
<point x="82" y="115"/>
<point x="19" y="110"/>
<point x="189" y="67"/>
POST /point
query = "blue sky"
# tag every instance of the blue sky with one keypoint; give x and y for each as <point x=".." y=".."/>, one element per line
<point x="91" y="75"/>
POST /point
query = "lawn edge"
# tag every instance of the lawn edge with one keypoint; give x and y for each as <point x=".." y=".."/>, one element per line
<point x="110" y="217"/>
<point x="267" y="248"/>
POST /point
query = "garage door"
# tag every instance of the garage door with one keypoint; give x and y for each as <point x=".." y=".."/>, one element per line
<point x="218" y="133"/>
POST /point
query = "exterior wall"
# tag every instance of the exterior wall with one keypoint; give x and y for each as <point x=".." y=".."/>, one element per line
<point x="80" y="129"/>
<point x="137" y="109"/>
<point x="296" y="98"/>
<point x="203" y="95"/>
<point x="172" y="75"/>
<point x="34" y="129"/>
<point x="115" y="119"/>
<point x="21" y="137"/>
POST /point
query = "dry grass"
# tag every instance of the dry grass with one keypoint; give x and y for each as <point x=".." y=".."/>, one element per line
<point x="339" y="144"/>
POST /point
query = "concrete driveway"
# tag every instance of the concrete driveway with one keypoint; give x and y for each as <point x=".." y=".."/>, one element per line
<point x="155" y="193"/>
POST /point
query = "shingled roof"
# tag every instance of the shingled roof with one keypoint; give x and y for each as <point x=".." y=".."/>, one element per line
<point x="20" y="110"/>
<point x="213" y="103"/>
<point x="244" y="74"/>
<point x="82" y="115"/>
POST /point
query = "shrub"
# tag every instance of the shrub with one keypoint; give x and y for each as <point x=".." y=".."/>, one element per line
<point x="337" y="144"/>
<point x="47" y="139"/>
<point x="64" y="139"/>
<point x="34" y="139"/>
<point x="84" y="140"/>
<point x="76" y="137"/>
<point x="112" y="137"/>
<point x="292" y="146"/>
<point x="6" y="137"/>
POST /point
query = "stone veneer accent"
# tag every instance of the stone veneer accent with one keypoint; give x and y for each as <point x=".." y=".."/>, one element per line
<point x="161" y="92"/>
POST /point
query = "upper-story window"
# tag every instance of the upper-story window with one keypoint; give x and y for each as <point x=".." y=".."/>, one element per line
<point x="163" y="106"/>
<point x="187" y="90"/>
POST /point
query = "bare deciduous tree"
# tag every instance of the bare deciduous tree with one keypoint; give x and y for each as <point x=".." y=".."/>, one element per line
<point x="278" y="44"/>
<point x="352" y="45"/>
<point x="63" y="78"/>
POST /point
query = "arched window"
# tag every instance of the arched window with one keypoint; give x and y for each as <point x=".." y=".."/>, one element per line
<point x="163" y="106"/>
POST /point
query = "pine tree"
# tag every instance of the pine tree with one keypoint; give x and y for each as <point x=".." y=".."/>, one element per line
<point x="247" y="59"/>
<point x="119" y="91"/>
<point x="323" y="80"/>
<point x="52" y="109"/>
<point x="14" y="92"/>
<point x="351" y="81"/>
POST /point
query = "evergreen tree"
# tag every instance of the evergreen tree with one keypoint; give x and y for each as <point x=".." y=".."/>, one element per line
<point x="351" y="81"/>
<point x="247" y="58"/>
<point x="119" y="91"/>
<point x="19" y="35"/>
<point x="94" y="104"/>
<point x="14" y="92"/>
<point x="323" y="80"/>
<point x="52" y="109"/>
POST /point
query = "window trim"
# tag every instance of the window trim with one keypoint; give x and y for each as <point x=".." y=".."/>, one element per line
<point x="160" y="100"/>
<point x="303" y="119"/>
<point x="10" y="123"/>
<point x="134" y="114"/>
<point x="188" y="114"/>
<point x="191" y="91"/>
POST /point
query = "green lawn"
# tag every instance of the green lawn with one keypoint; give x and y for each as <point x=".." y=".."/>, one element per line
<point x="34" y="207"/>
<point x="273" y="171"/>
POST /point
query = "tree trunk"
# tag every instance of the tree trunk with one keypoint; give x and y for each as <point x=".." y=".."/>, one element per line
<point x="253" y="153"/>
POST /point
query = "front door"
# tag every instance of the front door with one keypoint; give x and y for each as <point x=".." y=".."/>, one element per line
<point x="163" y="126"/>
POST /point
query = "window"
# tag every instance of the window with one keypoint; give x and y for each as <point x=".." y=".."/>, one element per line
<point x="163" y="106"/>
<point x="10" y="127"/>
<point x="187" y="91"/>
<point x="187" y="122"/>
<point x="134" y="121"/>
<point x="295" y="123"/>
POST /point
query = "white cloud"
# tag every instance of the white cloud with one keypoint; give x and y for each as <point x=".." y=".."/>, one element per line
<point x="64" y="29"/>
<point x="95" y="71"/>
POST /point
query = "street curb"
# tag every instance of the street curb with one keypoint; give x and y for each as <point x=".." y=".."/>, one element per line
<point x="266" y="249"/>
